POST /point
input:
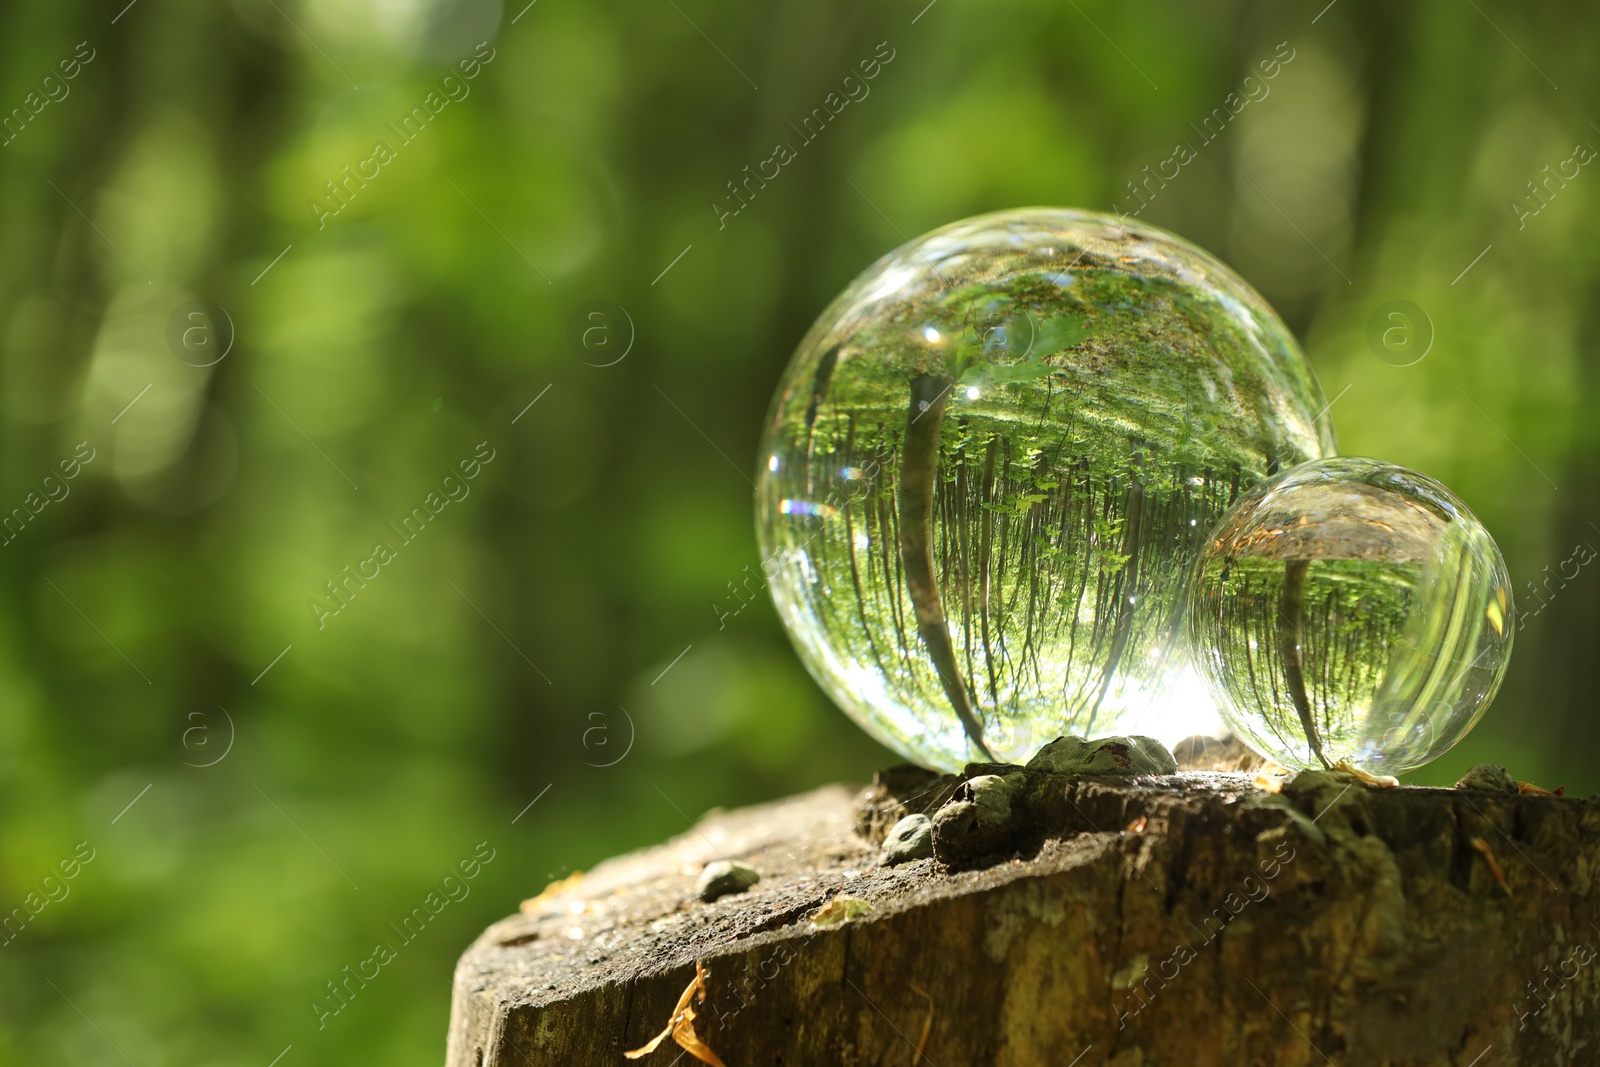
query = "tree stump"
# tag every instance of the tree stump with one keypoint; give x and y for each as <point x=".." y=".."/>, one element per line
<point x="1191" y="919"/>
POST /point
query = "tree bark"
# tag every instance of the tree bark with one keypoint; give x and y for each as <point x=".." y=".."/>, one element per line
<point x="1192" y="919"/>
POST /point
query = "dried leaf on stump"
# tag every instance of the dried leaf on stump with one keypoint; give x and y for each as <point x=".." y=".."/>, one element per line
<point x="534" y="905"/>
<point x="681" y="1026"/>
<point x="927" y="1025"/>
<point x="1494" y="866"/>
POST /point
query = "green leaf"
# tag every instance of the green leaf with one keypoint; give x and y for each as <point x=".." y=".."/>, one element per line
<point x="1024" y="371"/>
<point x="963" y="358"/>
<point x="1054" y="334"/>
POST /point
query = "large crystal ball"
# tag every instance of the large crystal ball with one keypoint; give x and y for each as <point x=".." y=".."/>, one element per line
<point x="990" y="466"/>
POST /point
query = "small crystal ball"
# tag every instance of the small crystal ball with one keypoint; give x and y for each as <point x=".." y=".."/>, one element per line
<point x="1351" y="610"/>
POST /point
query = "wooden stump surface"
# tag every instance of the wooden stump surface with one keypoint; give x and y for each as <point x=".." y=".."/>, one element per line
<point x="1191" y="919"/>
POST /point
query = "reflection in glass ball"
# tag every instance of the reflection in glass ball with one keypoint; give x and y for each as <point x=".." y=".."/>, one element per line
<point x="1351" y="610"/>
<point x="990" y="466"/>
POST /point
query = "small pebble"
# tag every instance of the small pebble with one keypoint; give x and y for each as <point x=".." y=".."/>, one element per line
<point x="1105" y="755"/>
<point x="978" y="820"/>
<point x="1490" y="777"/>
<point x="723" y="877"/>
<point x="909" y="839"/>
<point x="991" y="793"/>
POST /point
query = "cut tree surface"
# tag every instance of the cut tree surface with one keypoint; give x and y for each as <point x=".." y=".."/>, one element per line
<point x="1191" y="919"/>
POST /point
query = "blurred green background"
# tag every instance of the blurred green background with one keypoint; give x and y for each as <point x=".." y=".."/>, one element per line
<point x="299" y="783"/>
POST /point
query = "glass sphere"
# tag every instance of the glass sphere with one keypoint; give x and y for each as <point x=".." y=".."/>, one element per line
<point x="1351" y="610"/>
<point x="989" y="468"/>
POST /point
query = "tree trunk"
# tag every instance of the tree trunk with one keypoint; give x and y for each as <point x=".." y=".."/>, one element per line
<point x="1192" y="919"/>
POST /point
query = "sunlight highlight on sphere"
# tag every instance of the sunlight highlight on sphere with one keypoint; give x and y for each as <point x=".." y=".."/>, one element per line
<point x="1046" y="411"/>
